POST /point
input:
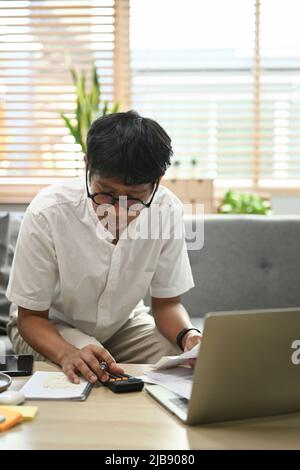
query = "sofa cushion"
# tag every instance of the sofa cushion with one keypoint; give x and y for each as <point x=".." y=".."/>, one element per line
<point x="9" y="229"/>
<point x="247" y="262"/>
<point x="4" y="267"/>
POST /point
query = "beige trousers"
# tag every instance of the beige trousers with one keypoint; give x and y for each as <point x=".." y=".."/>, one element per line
<point x="138" y="341"/>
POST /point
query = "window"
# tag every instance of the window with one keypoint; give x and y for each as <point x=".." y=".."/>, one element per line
<point x="223" y="78"/>
<point x="280" y="93"/>
<point x="39" y="41"/>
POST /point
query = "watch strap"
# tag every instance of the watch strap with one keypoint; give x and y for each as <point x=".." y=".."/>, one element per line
<point x="181" y="334"/>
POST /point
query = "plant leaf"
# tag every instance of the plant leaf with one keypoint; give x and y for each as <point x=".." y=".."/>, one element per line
<point x="72" y="129"/>
<point x="88" y="106"/>
<point x="105" y="108"/>
<point x="74" y="75"/>
<point x="115" y="107"/>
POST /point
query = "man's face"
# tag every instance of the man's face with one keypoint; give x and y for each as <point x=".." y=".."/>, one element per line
<point x="118" y="215"/>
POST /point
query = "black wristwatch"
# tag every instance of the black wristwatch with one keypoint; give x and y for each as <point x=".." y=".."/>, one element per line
<point x="182" y="333"/>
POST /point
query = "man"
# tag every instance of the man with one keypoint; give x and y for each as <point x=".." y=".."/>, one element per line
<point x="80" y="269"/>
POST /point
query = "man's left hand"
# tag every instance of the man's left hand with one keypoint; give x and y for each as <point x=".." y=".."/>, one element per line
<point x="189" y="341"/>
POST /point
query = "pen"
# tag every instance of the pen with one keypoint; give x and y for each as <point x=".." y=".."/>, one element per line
<point x="103" y="366"/>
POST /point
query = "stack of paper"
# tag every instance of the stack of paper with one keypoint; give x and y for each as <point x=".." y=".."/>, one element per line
<point x="176" y="379"/>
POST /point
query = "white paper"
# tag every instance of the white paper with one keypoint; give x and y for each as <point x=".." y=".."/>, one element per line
<point x="171" y="361"/>
<point x="178" y="380"/>
<point x="54" y="386"/>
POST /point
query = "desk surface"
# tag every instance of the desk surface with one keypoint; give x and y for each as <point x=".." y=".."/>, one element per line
<point x="136" y="421"/>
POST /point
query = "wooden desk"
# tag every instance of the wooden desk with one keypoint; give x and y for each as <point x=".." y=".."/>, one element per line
<point x="135" y="421"/>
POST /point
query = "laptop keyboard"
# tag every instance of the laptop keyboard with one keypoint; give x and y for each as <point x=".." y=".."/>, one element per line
<point x="181" y="402"/>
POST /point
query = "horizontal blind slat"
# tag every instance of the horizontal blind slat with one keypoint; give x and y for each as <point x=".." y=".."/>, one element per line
<point x="34" y="41"/>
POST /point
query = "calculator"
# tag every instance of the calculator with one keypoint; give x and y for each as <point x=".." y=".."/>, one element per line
<point x="121" y="383"/>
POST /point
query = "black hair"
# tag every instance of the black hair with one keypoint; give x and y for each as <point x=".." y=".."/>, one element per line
<point x="128" y="147"/>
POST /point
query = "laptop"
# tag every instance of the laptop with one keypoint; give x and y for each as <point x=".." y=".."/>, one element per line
<point x="248" y="366"/>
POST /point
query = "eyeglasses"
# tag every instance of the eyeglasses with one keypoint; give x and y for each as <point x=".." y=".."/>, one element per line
<point x="131" y="204"/>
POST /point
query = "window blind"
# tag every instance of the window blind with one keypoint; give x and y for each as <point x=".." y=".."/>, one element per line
<point x="195" y="75"/>
<point x="279" y="94"/>
<point x="39" y="41"/>
<point x="224" y="80"/>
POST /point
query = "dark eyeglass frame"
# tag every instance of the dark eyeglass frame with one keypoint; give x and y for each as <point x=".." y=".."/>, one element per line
<point x="115" y="199"/>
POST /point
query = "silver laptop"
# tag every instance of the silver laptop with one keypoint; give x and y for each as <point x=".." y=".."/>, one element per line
<point x="248" y="365"/>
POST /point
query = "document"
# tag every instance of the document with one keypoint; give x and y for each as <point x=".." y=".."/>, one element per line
<point x="178" y="380"/>
<point x="167" y="373"/>
<point x="55" y="386"/>
<point x="167" y="362"/>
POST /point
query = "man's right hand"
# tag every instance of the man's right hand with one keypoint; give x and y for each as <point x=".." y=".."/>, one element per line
<point x="86" y="361"/>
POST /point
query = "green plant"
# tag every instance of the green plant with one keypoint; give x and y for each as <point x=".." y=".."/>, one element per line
<point x="235" y="202"/>
<point x="88" y="107"/>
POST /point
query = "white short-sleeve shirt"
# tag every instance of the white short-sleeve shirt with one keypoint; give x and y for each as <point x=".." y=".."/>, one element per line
<point x="65" y="259"/>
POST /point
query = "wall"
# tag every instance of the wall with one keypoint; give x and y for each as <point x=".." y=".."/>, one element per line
<point x="286" y="205"/>
<point x="12" y="207"/>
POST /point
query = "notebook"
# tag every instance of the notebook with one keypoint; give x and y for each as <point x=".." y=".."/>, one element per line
<point x="55" y="386"/>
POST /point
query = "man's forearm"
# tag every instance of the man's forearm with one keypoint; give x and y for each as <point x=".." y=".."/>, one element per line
<point x="170" y="318"/>
<point x="42" y="336"/>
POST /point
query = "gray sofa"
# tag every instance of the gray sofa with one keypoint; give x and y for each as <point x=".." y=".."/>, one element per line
<point x="247" y="262"/>
<point x="9" y="229"/>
